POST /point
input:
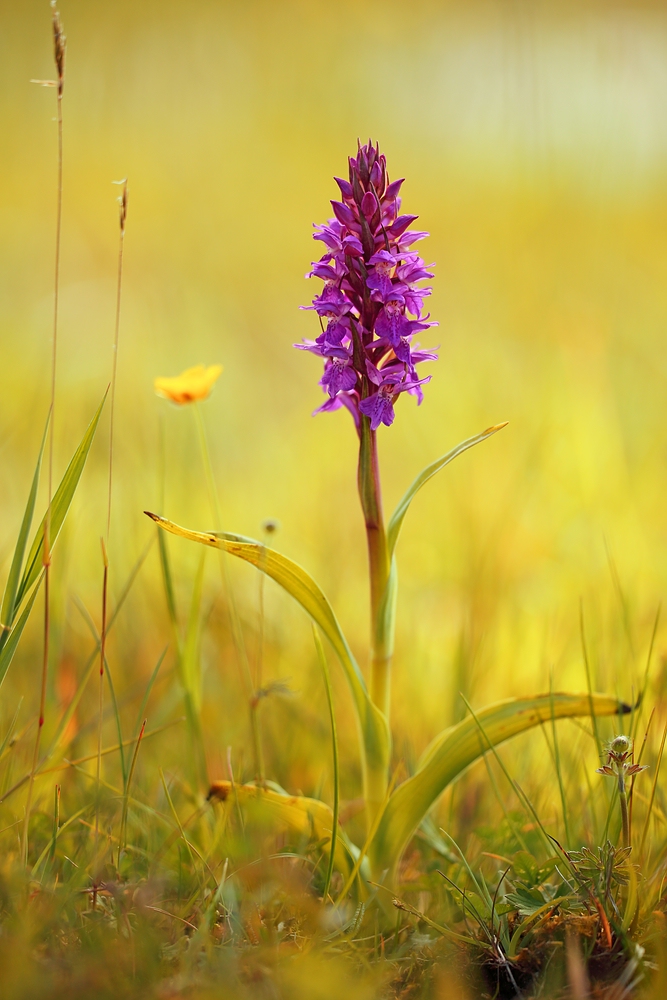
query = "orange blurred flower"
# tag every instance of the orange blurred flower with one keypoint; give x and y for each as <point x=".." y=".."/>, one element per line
<point x="191" y="385"/>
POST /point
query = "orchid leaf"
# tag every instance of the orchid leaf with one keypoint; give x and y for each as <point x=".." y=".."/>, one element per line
<point x="310" y="819"/>
<point x="457" y="748"/>
<point x="9" y="599"/>
<point x="60" y="505"/>
<point x="374" y="730"/>
<point x="394" y="526"/>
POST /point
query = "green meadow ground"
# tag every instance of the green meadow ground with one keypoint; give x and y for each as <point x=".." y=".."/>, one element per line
<point x="532" y="143"/>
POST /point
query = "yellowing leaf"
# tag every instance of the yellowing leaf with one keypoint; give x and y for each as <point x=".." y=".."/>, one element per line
<point x="309" y="819"/>
<point x="458" y="747"/>
<point x="374" y="731"/>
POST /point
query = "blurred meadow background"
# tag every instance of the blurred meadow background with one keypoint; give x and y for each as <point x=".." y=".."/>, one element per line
<point x="534" y="142"/>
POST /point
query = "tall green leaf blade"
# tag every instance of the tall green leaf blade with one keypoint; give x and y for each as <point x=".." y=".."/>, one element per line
<point x="9" y="648"/>
<point x="11" y="588"/>
<point x="60" y="505"/>
<point x="394" y="526"/>
<point x="458" y="747"/>
<point x="374" y="730"/>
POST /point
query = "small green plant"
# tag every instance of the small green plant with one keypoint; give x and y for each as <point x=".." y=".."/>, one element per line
<point x="620" y="765"/>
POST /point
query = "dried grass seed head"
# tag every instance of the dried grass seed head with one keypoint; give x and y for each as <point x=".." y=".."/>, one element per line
<point x="59" y="48"/>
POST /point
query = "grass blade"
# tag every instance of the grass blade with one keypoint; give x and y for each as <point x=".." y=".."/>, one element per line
<point x="190" y="669"/>
<point x="147" y="692"/>
<point x="59" y="508"/>
<point x="334" y="747"/>
<point x="126" y="795"/>
<point x="9" y="648"/>
<point x="394" y="526"/>
<point x="9" y="599"/>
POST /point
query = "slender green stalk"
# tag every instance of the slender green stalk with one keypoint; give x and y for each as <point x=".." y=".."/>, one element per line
<point x="370" y="495"/>
<point x="336" y="772"/>
<point x="623" y="801"/>
<point x="59" y="42"/>
<point x="653" y="790"/>
<point x="105" y="577"/>
<point x="100" y="707"/>
<point x="56" y="822"/>
<point x="556" y="757"/>
<point x="237" y="633"/>
<point x="126" y="795"/>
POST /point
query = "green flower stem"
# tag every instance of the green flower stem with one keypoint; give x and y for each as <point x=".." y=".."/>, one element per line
<point x="378" y="560"/>
<point x="625" y="817"/>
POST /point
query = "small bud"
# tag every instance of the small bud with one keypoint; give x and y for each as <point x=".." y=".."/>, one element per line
<point x="368" y="205"/>
<point x="620" y="744"/>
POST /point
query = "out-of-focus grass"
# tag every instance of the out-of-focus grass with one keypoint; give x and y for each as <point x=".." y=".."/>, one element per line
<point x="533" y="149"/>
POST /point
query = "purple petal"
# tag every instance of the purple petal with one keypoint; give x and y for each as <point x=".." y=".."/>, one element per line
<point x="345" y="187"/>
<point x="344" y="214"/>
<point x="392" y="190"/>
<point x="379" y="407"/>
<point x="399" y="227"/>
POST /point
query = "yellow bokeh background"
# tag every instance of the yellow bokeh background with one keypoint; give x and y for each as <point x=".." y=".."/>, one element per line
<point x="533" y="142"/>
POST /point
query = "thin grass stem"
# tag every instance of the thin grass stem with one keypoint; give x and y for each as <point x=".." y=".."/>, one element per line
<point x="336" y="771"/>
<point x="59" y="44"/>
<point x="126" y="795"/>
<point x="653" y="791"/>
<point x="105" y="546"/>
<point x="556" y="756"/>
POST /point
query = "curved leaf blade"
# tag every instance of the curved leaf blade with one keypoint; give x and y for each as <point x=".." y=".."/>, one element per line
<point x="60" y="505"/>
<point x="374" y="730"/>
<point x="9" y="603"/>
<point x="9" y="648"/>
<point x="394" y="526"/>
<point x="457" y="748"/>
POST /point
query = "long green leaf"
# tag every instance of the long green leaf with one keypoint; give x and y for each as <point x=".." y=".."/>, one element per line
<point x="374" y="731"/>
<point x="458" y="747"/>
<point x="11" y="588"/>
<point x="8" y="650"/>
<point x="394" y="527"/>
<point x="60" y="505"/>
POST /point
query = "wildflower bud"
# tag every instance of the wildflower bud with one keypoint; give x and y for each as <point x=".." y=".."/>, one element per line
<point x="368" y="204"/>
<point x="373" y="298"/>
<point x="620" y="745"/>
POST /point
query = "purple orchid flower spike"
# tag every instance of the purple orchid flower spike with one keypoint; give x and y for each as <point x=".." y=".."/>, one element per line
<point x="372" y="289"/>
